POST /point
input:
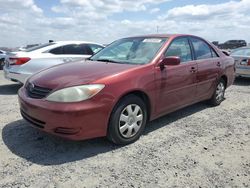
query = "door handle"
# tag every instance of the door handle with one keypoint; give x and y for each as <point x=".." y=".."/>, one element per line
<point x="218" y="64"/>
<point x="193" y="70"/>
<point x="67" y="59"/>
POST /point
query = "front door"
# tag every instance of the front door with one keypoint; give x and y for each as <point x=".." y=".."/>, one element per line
<point x="176" y="85"/>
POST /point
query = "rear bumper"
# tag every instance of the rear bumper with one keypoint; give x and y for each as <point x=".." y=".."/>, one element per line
<point x="243" y="71"/>
<point x="13" y="75"/>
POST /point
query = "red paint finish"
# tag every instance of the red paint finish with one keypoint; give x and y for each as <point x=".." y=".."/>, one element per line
<point x="176" y="86"/>
<point x="167" y="90"/>
<point x="207" y="75"/>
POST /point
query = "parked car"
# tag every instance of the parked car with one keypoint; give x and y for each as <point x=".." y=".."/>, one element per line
<point x="21" y="65"/>
<point x="242" y="61"/>
<point x="125" y="85"/>
<point x="2" y="58"/>
<point x="232" y="44"/>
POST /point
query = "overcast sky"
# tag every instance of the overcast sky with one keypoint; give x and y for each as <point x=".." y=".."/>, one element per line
<point x="36" y="21"/>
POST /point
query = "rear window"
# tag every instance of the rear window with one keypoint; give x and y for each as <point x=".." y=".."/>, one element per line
<point x="202" y="49"/>
<point x="57" y="51"/>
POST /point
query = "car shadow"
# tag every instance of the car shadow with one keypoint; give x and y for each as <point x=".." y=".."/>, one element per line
<point x="241" y="81"/>
<point x="10" y="89"/>
<point x="41" y="148"/>
<point x="174" y="116"/>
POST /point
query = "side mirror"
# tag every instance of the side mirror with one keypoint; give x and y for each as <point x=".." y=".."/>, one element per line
<point x="170" y="60"/>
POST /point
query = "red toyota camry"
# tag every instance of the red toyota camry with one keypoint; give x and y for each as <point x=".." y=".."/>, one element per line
<point x="130" y="82"/>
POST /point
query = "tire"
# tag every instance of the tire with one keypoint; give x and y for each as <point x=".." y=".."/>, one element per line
<point x="218" y="95"/>
<point x="127" y="120"/>
<point x="1" y="63"/>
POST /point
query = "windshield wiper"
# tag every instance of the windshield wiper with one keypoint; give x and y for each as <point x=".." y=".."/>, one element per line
<point x="108" y="60"/>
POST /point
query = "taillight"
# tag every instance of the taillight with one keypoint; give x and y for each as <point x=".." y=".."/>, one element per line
<point x="19" y="60"/>
<point x="248" y="62"/>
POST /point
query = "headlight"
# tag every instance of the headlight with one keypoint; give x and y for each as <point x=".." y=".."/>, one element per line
<point x="76" y="93"/>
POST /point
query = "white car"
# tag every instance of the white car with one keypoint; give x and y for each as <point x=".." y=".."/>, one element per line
<point x="21" y="65"/>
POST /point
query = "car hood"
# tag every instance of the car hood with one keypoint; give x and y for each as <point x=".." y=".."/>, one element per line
<point x="76" y="73"/>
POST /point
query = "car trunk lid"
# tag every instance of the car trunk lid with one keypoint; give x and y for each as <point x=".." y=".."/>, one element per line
<point x="242" y="61"/>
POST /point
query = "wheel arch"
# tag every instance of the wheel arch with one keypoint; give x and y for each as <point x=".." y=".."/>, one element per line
<point x="224" y="77"/>
<point x="112" y="131"/>
<point x="141" y="94"/>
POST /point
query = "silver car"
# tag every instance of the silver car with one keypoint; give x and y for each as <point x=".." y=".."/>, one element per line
<point x="21" y="65"/>
<point x="242" y="61"/>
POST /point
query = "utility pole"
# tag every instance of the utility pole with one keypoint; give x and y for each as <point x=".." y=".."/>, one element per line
<point x="157" y="29"/>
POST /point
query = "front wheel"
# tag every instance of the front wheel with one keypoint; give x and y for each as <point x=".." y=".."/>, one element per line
<point x="127" y="120"/>
<point x="219" y="93"/>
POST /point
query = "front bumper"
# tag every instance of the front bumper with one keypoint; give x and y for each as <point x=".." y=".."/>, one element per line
<point x="75" y="121"/>
<point x="13" y="75"/>
<point x="243" y="71"/>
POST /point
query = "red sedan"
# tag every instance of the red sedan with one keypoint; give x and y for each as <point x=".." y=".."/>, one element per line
<point x="130" y="82"/>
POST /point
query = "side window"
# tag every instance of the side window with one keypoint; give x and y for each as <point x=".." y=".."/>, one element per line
<point x="95" y="48"/>
<point x="214" y="54"/>
<point x="56" y="51"/>
<point x="86" y="50"/>
<point x="180" y="48"/>
<point x="201" y="49"/>
<point x="73" y="49"/>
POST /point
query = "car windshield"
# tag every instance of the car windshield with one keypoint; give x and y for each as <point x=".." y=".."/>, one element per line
<point x="39" y="47"/>
<point x="241" y="52"/>
<point x="139" y="50"/>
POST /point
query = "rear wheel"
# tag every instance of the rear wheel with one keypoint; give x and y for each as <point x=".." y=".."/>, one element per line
<point x="219" y="93"/>
<point x="1" y="63"/>
<point x="127" y="120"/>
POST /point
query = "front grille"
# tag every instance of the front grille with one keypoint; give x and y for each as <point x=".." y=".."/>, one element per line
<point x="34" y="121"/>
<point x="37" y="92"/>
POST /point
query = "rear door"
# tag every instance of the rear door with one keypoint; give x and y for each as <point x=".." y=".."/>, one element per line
<point x="209" y="67"/>
<point x="177" y="84"/>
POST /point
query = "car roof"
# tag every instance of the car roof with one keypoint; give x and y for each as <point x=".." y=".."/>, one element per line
<point x="56" y="44"/>
<point x="75" y="42"/>
<point x="52" y="45"/>
<point x="163" y="35"/>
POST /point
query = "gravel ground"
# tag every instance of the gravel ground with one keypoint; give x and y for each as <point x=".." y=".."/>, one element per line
<point x="198" y="146"/>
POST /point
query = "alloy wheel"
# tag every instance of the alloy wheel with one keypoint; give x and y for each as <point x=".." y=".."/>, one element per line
<point x="220" y="90"/>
